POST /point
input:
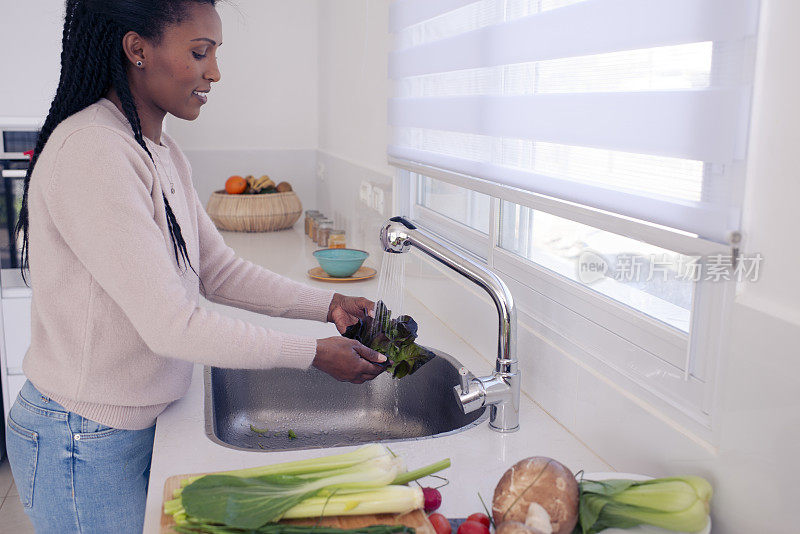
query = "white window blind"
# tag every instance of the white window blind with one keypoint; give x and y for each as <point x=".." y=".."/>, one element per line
<point x="639" y="108"/>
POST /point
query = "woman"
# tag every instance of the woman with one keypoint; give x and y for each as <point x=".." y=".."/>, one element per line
<point x="113" y="222"/>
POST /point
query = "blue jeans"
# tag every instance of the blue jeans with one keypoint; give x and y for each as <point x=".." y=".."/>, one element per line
<point x="74" y="474"/>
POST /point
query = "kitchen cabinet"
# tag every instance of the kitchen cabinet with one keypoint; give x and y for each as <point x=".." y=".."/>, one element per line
<point x="15" y="383"/>
<point x="14" y="342"/>
<point x="17" y="328"/>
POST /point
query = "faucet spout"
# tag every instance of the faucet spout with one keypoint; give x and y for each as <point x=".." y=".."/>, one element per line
<point x="500" y="390"/>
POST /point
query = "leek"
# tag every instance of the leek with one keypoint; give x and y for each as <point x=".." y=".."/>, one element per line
<point x="677" y="503"/>
<point x="386" y="500"/>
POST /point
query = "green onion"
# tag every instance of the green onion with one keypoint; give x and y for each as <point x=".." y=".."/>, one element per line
<point x="676" y="503"/>
<point x="405" y="478"/>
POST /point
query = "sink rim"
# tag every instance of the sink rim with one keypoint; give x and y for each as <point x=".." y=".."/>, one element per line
<point x="210" y="423"/>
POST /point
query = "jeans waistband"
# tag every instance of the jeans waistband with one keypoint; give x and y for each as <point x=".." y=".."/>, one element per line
<point x="35" y="397"/>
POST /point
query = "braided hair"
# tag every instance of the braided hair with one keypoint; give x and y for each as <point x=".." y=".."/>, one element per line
<point x="93" y="62"/>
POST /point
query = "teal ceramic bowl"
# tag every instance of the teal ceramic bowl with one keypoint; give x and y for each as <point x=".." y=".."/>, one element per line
<point x="340" y="262"/>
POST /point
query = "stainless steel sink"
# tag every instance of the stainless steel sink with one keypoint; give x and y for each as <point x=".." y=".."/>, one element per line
<point x="323" y="412"/>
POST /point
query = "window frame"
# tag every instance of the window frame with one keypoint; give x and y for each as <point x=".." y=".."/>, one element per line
<point x="639" y="353"/>
<point x="466" y="237"/>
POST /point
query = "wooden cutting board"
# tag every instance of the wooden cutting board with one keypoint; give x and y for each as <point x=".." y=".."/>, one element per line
<point x="416" y="519"/>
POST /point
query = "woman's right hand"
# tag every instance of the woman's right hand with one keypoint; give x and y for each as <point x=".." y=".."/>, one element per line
<point x="347" y="360"/>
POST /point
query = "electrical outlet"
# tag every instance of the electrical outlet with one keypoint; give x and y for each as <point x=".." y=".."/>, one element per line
<point x="365" y="193"/>
<point x="377" y="199"/>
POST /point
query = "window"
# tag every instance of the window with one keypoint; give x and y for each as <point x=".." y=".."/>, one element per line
<point x="458" y="204"/>
<point x="646" y="278"/>
<point x="635" y="314"/>
<point x="591" y="151"/>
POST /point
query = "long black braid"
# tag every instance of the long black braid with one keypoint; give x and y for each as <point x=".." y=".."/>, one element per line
<point x="93" y="62"/>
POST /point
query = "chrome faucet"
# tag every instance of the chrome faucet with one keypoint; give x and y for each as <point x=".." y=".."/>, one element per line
<point x="500" y="390"/>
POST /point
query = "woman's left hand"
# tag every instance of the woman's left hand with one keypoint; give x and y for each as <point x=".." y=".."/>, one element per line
<point x="345" y="310"/>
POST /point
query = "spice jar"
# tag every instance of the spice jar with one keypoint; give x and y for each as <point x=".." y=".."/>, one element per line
<point x="323" y="231"/>
<point x="336" y="239"/>
<point x="315" y="219"/>
<point x="309" y="216"/>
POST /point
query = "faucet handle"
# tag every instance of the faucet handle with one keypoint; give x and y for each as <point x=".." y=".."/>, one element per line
<point x="463" y="376"/>
<point x="469" y="398"/>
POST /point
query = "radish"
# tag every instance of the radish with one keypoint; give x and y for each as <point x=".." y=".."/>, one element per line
<point x="433" y="499"/>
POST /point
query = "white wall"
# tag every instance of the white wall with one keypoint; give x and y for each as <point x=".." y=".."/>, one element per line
<point x="302" y="97"/>
<point x="353" y="87"/>
<point x="353" y="65"/>
<point x="30" y="57"/>
<point x="771" y="215"/>
<point x="262" y="117"/>
<point x="267" y="97"/>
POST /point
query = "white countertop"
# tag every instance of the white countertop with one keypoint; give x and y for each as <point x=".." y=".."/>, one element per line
<point x="479" y="456"/>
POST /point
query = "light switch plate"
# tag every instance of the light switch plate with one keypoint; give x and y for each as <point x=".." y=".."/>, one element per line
<point x="365" y="193"/>
<point x="378" y="199"/>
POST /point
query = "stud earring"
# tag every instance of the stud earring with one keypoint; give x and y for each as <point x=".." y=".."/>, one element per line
<point x="138" y="63"/>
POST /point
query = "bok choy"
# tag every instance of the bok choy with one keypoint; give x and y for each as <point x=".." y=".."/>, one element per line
<point x="360" y="482"/>
<point x="677" y="503"/>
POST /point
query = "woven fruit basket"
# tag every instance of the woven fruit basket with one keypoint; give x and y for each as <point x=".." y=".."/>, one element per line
<point x="254" y="213"/>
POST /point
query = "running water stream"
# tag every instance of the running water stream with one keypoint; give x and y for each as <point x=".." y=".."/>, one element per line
<point x="391" y="287"/>
<point x="391" y="283"/>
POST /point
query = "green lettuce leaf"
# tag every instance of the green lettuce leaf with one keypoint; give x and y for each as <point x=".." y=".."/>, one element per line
<point x="397" y="344"/>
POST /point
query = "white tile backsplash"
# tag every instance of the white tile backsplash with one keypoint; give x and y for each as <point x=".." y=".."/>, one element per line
<point x="339" y="194"/>
<point x="463" y="305"/>
<point x="548" y="376"/>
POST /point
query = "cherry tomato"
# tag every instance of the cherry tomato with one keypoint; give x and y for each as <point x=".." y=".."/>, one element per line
<point x="480" y="518"/>
<point x="472" y="527"/>
<point x="433" y="499"/>
<point x="440" y="523"/>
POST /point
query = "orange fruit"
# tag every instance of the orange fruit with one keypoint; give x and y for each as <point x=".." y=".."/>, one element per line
<point x="235" y="185"/>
